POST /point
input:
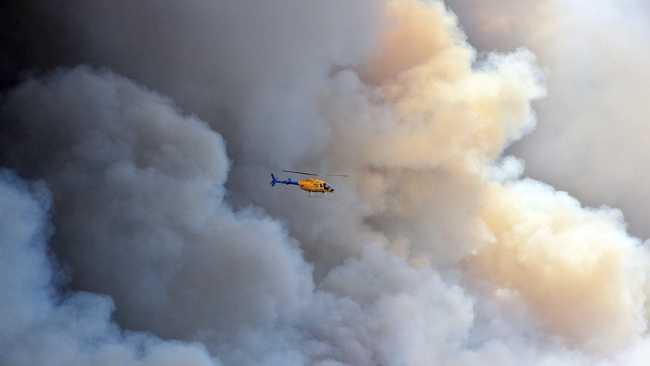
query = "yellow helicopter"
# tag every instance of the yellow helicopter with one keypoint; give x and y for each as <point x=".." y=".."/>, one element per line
<point x="311" y="185"/>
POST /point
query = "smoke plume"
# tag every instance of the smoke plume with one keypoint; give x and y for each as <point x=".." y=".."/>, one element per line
<point x="592" y="133"/>
<point x="143" y="230"/>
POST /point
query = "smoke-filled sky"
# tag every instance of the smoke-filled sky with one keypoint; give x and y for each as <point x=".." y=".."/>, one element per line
<point x="485" y="142"/>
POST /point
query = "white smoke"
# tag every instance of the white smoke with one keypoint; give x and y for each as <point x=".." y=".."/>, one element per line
<point x="39" y="325"/>
<point x="591" y="138"/>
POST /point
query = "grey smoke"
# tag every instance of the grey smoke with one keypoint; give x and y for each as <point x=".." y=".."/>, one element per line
<point x="254" y="71"/>
<point x="139" y="208"/>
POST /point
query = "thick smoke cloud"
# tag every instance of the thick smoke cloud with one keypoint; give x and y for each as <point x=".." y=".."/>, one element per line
<point x="40" y="326"/>
<point x="434" y="251"/>
<point x="591" y="138"/>
<point x="148" y="184"/>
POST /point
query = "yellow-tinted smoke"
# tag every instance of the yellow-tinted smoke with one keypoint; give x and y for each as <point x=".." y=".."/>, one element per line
<point x="451" y="117"/>
<point x="579" y="271"/>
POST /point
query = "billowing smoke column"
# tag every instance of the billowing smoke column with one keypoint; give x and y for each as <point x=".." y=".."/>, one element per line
<point x="40" y="327"/>
<point x="435" y="251"/>
<point x="592" y="135"/>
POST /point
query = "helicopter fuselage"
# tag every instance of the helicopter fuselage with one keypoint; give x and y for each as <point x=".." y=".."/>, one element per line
<point x="314" y="185"/>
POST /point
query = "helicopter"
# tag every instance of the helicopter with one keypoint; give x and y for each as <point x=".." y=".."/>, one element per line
<point x="311" y="185"/>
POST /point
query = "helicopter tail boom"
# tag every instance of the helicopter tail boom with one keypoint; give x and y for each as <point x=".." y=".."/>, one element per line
<point x="288" y="181"/>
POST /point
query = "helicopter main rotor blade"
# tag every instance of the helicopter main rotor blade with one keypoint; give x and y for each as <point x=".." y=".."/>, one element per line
<point x="303" y="173"/>
<point x="315" y="175"/>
